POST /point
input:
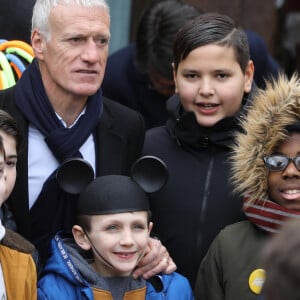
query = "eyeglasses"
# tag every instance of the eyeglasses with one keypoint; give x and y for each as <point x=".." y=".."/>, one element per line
<point x="280" y="162"/>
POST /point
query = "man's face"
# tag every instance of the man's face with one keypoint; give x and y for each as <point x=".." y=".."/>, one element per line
<point x="73" y="60"/>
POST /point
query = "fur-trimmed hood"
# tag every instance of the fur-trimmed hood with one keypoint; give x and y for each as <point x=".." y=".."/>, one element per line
<point x="273" y="109"/>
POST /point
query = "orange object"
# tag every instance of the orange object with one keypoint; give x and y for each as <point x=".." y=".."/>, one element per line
<point x="19" y="44"/>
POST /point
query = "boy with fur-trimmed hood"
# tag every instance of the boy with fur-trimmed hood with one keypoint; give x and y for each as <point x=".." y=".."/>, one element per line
<point x="266" y="170"/>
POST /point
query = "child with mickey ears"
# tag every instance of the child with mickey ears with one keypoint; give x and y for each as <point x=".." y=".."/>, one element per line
<point x="109" y="238"/>
<point x="266" y="170"/>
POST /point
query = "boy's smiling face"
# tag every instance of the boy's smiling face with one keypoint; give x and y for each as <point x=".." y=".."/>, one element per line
<point x="211" y="83"/>
<point x="120" y="239"/>
<point x="284" y="186"/>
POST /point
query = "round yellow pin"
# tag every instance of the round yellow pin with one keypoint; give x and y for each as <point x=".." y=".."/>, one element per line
<point x="256" y="280"/>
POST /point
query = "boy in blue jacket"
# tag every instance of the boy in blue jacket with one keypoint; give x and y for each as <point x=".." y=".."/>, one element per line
<point x="109" y="239"/>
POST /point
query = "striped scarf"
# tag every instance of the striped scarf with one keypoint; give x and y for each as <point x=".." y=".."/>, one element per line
<point x="268" y="215"/>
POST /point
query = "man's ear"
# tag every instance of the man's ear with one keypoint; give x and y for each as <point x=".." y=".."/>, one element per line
<point x="80" y="238"/>
<point x="38" y="43"/>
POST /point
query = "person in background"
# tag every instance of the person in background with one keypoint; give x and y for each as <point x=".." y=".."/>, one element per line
<point x="12" y="142"/>
<point x="110" y="237"/>
<point x="140" y="74"/>
<point x="59" y="108"/>
<point x="281" y="261"/>
<point x="18" y="258"/>
<point x="213" y="76"/>
<point x="266" y="66"/>
<point x="266" y="170"/>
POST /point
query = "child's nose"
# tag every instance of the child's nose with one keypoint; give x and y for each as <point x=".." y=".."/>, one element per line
<point x="291" y="170"/>
<point x="127" y="238"/>
<point x="206" y="88"/>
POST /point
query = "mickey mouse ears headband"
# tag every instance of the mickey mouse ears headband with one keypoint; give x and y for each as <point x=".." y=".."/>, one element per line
<point x="112" y="193"/>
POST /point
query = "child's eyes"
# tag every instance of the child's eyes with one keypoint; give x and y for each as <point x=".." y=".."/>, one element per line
<point x="11" y="164"/>
<point x="139" y="227"/>
<point x="190" y="75"/>
<point x="222" y="75"/>
<point x="112" y="227"/>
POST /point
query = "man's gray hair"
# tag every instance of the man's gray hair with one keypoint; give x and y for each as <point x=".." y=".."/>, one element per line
<point x="42" y="9"/>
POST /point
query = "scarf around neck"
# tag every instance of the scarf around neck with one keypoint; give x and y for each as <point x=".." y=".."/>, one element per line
<point x="32" y="100"/>
<point x="187" y="131"/>
<point x="268" y="215"/>
<point x="54" y="209"/>
<point x="184" y="128"/>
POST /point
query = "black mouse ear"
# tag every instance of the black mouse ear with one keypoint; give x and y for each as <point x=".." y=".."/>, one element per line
<point x="74" y="175"/>
<point x="150" y="173"/>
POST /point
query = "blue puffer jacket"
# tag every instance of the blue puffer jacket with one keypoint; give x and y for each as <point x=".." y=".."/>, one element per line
<point x="61" y="279"/>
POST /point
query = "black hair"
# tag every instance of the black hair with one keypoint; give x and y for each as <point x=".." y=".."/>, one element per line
<point x="156" y="33"/>
<point x="208" y="29"/>
<point x="2" y="150"/>
<point x="9" y="126"/>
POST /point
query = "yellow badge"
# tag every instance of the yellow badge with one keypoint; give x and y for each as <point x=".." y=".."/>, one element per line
<point x="256" y="280"/>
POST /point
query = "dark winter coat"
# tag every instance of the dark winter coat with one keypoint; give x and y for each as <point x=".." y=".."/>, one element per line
<point x="231" y="269"/>
<point x="124" y="83"/>
<point x="197" y="201"/>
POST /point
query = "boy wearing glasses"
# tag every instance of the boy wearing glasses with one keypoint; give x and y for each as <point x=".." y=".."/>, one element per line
<point x="266" y="170"/>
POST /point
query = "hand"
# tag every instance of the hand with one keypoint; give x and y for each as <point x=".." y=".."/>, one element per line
<point x="156" y="260"/>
